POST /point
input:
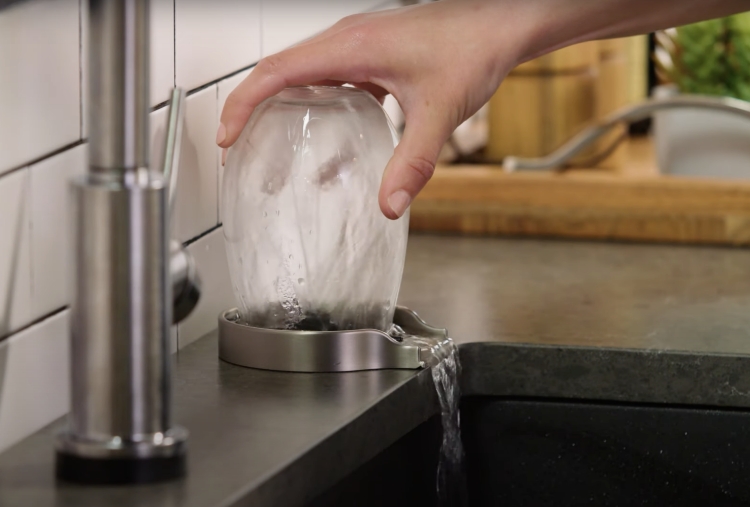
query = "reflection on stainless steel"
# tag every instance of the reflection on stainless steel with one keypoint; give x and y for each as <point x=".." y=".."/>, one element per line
<point x="627" y="114"/>
<point x="118" y="86"/>
<point x="119" y="427"/>
<point x="173" y="143"/>
<point x="186" y="285"/>
<point x="323" y="351"/>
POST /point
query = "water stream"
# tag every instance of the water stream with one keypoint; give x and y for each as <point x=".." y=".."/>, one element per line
<point x="446" y="370"/>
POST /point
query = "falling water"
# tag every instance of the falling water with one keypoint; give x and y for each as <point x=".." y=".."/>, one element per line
<point x="446" y="369"/>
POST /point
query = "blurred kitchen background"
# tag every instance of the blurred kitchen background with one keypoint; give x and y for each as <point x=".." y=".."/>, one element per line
<point x="628" y="186"/>
<point x="663" y="174"/>
<point x="545" y="102"/>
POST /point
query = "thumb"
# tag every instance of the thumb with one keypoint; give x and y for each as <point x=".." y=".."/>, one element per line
<point x="413" y="161"/>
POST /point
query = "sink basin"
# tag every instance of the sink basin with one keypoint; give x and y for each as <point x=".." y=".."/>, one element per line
<point x="539" y="452"/>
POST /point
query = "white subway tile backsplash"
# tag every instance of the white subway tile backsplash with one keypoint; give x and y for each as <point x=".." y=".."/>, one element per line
<point x="287" y="22"/>
<point x="215" y="41"/>
<point x="39" y="79"/>
<point x="195" y="205"/>
<point x="15" y="263"/>
<point x="162" y="50"/>
<point x="34" y="380"/>
<point x="395" y="113"/>
<point x="225" y="88"/>
<point x="51" y="229"/>
<point x="216" y="290"/>
<point x="84" y="99"/>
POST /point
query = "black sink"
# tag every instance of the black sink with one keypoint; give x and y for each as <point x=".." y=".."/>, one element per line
<point x="545" y="452"/>
<point x="538" y="452"/>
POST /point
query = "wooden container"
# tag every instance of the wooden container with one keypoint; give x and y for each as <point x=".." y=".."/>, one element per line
<point x="545" y="102"/>
<point x="532" y="115"/>
<point x="611" y="94"/>
<point x="570" y="59"/>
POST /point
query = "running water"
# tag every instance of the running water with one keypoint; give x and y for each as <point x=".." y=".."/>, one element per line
<point x="446" y="369"/>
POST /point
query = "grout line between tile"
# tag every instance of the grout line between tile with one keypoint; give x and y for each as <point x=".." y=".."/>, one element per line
<point x="217" y="159"/>
<point x="80" y="68"/>
<point x="202" y="235"/>
<point x="34" y="322"/>
<point x="174" y="43"/>
<point x="44" y="157"/>
<point x="260" y="27"/>
<point x="219" y="80"/>
<point x="29" y="198"/>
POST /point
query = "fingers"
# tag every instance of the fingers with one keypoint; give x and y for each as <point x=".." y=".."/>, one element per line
<point x="312" y="62"/>
<point x="413" y="161"/>
<point x="378" y="91"/>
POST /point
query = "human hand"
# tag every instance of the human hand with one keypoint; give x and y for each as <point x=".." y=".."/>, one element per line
<point x="441" y="61"/>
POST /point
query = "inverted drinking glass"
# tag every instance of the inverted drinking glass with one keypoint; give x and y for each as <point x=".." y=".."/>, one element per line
<point x="307" y="245"/>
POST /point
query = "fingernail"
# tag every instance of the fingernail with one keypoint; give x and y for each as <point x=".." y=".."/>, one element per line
<point x="221" y="134"/>
<point x="223" y="156"/>
<point x="399" y="201"/>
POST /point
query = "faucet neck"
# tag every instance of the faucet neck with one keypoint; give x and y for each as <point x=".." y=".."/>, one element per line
<point x="118" y="86"/>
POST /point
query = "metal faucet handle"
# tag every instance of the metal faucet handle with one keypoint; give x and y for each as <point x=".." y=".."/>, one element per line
<point x="186" y="284"/>
<point x="173" y="143"/>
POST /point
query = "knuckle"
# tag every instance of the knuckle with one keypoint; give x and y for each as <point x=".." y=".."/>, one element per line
<point x="270" y="64"/>
<point x="233" y="99"/>
<point x="351" y="19"/>
<point x="359" y="33"/>
<point x="421" y="166"/>
<point x="236" y="102"/>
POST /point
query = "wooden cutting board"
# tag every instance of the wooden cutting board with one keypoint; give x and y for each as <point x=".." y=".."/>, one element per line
<point x="634" y="204"/>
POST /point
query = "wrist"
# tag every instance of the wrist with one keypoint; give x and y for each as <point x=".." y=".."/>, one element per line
<point x="502" y="31"/>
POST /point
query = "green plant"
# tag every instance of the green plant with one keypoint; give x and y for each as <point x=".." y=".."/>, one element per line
<point x="709" y="58"/>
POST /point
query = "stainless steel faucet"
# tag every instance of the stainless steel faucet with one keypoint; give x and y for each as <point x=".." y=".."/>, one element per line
<point x="131" y="282"/>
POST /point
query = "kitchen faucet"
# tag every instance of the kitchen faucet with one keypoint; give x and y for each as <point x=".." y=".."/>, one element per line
<point x="132" y="283"/>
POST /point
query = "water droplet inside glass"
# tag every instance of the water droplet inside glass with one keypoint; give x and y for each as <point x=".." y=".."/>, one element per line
<point x="301" y="281"/>
<point x="291" y="256"/>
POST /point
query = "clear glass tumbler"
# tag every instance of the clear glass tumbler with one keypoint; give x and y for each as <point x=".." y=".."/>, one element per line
<point x="307" y="245"/>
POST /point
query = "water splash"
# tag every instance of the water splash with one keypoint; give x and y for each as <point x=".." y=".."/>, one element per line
<point x="446" y="370"/>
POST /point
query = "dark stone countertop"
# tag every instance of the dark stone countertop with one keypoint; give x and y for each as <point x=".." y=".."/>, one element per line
<point x="616" y="322"/>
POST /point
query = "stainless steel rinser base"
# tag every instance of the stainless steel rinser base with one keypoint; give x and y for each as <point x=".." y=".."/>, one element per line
<point x="324" y="351"/>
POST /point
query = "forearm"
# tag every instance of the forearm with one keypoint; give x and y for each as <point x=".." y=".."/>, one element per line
<point x="559" y="23"/>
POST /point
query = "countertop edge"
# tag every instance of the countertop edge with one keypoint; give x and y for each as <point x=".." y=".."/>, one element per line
<point x="314" y="471"/>
<point x="606" y="374"/>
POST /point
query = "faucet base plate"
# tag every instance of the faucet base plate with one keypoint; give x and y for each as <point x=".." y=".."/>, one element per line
<point x="82" y="470"/>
